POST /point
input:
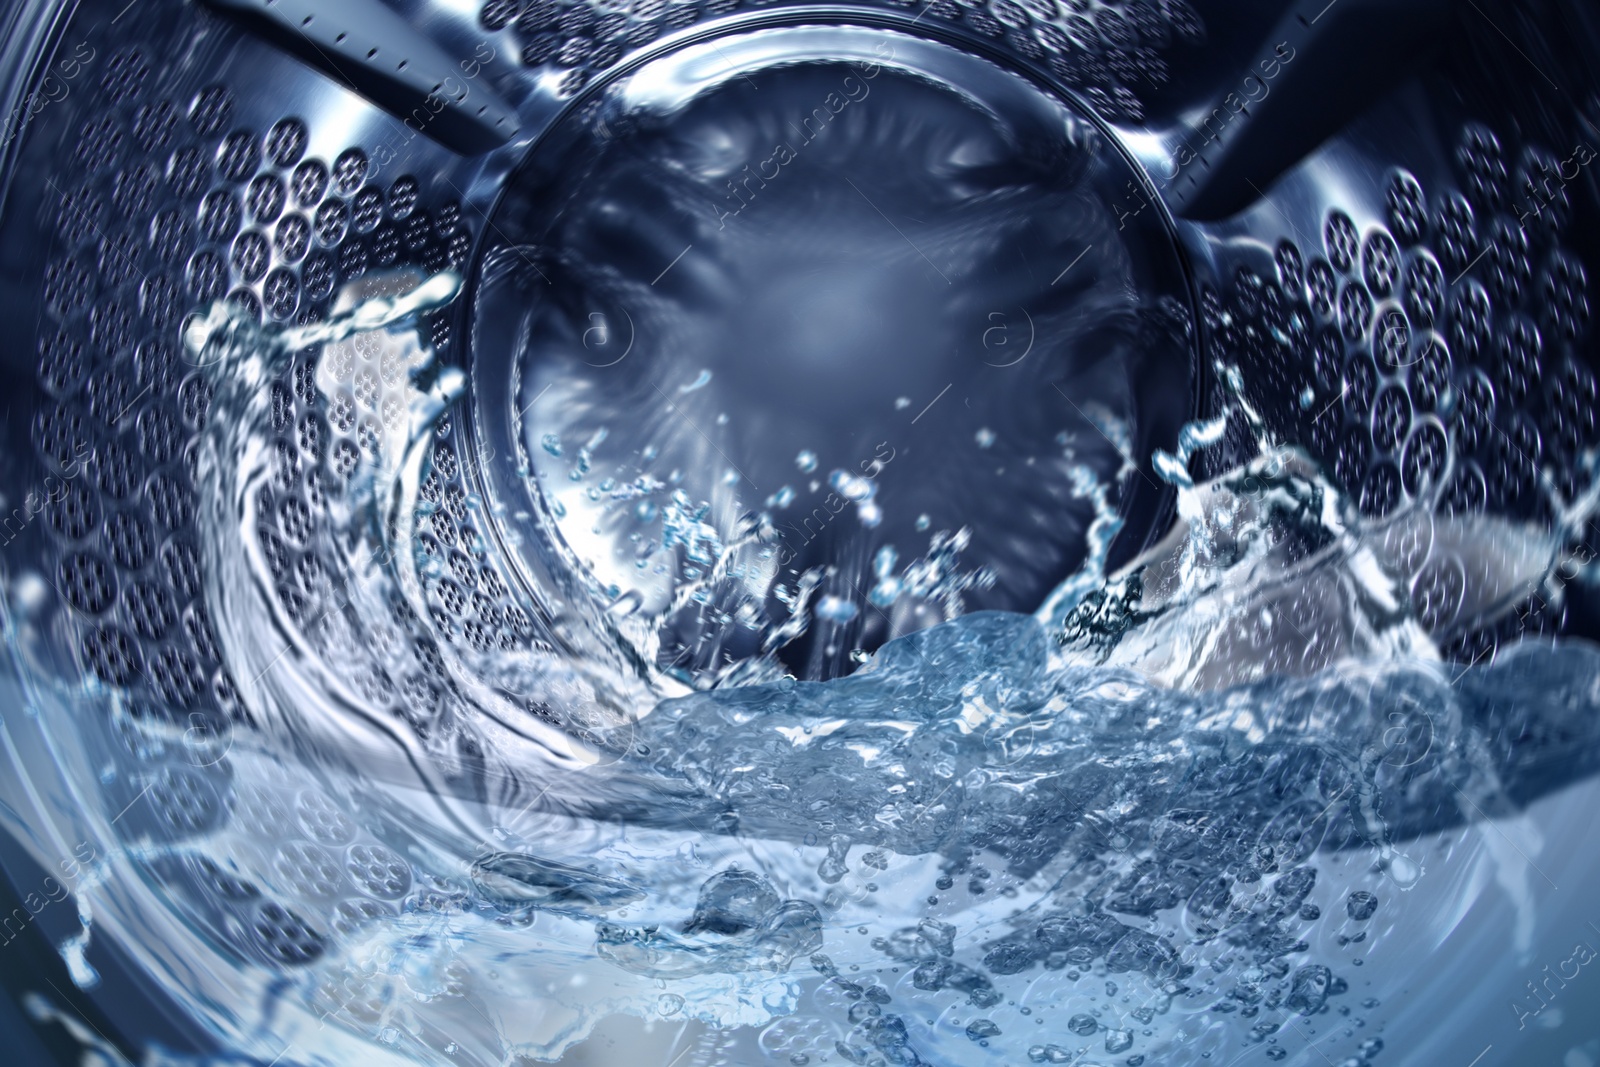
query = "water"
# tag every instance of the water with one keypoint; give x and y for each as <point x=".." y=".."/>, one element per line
<point x="1142" y="821"/>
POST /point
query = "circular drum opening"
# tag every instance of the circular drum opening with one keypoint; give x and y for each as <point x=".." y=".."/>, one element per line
<point x="802" y="339"/>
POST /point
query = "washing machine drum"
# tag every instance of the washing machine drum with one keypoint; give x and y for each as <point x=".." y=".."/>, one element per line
<point x="888" y="532"/>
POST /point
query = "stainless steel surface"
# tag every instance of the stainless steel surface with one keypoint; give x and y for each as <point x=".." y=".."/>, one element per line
<point x="1400" y="232"/>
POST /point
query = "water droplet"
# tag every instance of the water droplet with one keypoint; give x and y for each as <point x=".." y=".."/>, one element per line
<point x="1361" y="905"/>
<point x="835" y="609"/>
<point x="981" y="1029"/>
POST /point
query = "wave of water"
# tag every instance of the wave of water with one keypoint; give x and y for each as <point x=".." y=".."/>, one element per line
<point x="1149" y="821"/>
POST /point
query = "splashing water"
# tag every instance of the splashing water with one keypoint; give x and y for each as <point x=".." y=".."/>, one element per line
<point x="1099" y="830"/>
